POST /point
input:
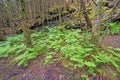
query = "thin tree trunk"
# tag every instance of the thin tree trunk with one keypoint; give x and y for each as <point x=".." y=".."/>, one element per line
<point x="89" y="24"/>
<point x="27" y="34"/>
<point x="59" y="10"/>
<point x="25" y="26"/>
<point x="97" y="17"/>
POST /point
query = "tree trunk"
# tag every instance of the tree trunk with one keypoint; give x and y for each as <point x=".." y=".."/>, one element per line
<point x="27" y="34"/>
<point x="97" y="17"/>
<point x="25" y="26"/>
<point x="89" y="24"/>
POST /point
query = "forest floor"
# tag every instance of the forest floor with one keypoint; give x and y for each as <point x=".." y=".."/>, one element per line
<point x="112" y="40"/>
<point x="54" y="71"/>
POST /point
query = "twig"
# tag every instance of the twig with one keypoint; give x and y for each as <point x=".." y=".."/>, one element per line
<point x="94" y="2"/>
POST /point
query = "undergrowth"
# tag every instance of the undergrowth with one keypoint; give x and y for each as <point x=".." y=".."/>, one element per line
<point x="114" y="28"/>
<point x="72" y="46"/>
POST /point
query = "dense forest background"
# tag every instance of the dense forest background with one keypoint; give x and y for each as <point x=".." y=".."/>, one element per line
<point x="41" y="12"/>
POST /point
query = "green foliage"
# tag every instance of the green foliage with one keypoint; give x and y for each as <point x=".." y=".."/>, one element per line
<point x="4" y="51"/>
<point x="73" y="46"/>
<point x="77" y="49"/>
<point x="11" y="46"/>
<point x="84" y="77"/>
<point x="114" y="28"/>
<point x="17" y="39"/>
<point x="101" y="58"/>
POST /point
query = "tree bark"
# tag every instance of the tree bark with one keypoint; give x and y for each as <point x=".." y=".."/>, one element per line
<point x="89" y="24"/>
<point x="27" y="34"/>
<point x="25" y="26"/>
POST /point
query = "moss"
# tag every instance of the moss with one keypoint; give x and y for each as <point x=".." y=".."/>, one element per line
<point x="2" y="76"/>
<point x="108" y="11"/>
<point x="65" y="12"/>
<point x="14" y="78"/>
<point x="61" y="27"/>
<point x="2" y="37"/>
<point x="91" y="16"/>
<point x="53" y="10"/>
<point x="76" y="14"/>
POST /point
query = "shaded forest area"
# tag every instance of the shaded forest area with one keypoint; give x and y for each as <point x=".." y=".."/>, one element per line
<point x="43" y="13"/>
<point x="59" y="39"/>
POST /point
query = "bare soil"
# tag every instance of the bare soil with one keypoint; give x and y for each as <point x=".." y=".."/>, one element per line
<point x="9" y="72"/>
<point x="112" y="40"/>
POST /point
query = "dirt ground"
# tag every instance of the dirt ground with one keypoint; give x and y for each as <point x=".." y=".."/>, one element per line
<point x="112" y="40"/>
<point x="54" y="71"/>
<point x="36" y="71"/>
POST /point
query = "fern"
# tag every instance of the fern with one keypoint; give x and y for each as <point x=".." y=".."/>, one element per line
<point x="4" y="51"/>
<point x="71" y="45"/>
<point x="114" y="28"/>
<point x="16" y="39"/>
